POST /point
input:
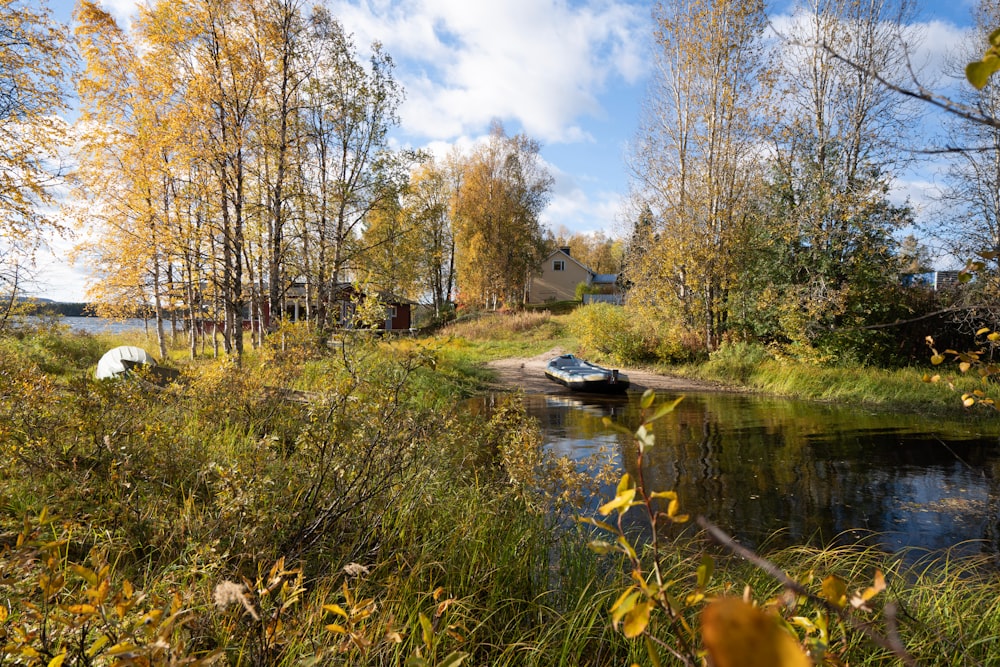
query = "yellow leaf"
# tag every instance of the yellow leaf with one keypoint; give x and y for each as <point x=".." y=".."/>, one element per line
<point x="87" y="574"/>
<point x="624" y="604"/>
<point x="339" y="629"/>
<point x="336" y="609"/>
<point x="96" y="647"/>
<point x="600" y="524"/>
<point x="804" y="623"/>
<point x="124" y="647"/>
<point x="937" y="359"/>
<point x="58" y="660"/>
<point x="968" y="401"/>
<point x="877" y="587"/>
<point x="601" y="546"/>
<point x="964" y="366"/>
<point x="624" y="484"/>
<point x="982" y="331"/>
<point x="427" y="630"/>
<point x="152" y="617"/>
<point x="637" y="619"/>
<point x="626" y="546"/>
<point x="694" y="598"/>
<point x="835" y="590"/>
<point x="624" y="499"/>
<point x="993" y="337"/>
<point x="82" y="609"/>
<point x="648" y="397"/>
<point x="654" y="656"/>
<point x="737" y="634"/>
<point x="50" y="585"/>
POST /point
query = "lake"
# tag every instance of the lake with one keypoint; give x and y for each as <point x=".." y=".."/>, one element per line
<point x="102" y="325"/>
<point x="783" y="472"/>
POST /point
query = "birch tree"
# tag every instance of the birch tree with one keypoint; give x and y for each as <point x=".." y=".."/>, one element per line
<point x="427" y="205"/>
<point x="498" y="239"/>
<point x="222" y="65"/>
<point x="695" y="164"/>
<point x="34" y="60"/>
<point x="391" y="242"/>
<point x="125" y="164"/>
<point x="837" y="145"/>
<point x="972" y="194"/>
<point x="350" y="110"/>
<point x="284" y="33"/>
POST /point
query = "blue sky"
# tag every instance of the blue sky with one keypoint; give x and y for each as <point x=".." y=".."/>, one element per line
<point x="569" y="73"/>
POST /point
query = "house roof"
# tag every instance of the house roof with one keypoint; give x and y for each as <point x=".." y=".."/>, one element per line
<point x="605" y="278"/>
<point x="560" y="251"/>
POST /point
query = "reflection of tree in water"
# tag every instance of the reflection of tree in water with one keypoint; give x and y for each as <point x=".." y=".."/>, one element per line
<point x="823" y="473"/>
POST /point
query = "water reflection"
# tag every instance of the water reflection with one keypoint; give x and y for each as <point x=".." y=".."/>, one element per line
<point x="760" y="466"/>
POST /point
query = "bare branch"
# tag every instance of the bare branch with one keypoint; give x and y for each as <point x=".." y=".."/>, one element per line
<point x="943" y="102"/>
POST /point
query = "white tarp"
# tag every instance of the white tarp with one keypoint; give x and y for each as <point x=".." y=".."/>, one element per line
<point x="118" y="360"/>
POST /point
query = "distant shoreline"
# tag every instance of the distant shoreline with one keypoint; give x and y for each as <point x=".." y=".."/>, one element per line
<point x="69" y="309"/>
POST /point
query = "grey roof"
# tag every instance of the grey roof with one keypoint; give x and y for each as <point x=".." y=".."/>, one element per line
<point x="605" y="278"/>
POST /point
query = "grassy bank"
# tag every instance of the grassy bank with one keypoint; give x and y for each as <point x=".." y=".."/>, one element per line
<point x="754" y="368"/>
<point x="365" y="519"/>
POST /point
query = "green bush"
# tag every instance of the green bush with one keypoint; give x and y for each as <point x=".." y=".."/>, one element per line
<point x="583" y="288"/>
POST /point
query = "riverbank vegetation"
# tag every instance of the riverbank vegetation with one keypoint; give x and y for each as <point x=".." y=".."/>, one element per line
<point x="342" y="506"/>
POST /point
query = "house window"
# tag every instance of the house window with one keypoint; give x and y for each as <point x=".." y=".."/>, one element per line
<point x="559" y="265"/>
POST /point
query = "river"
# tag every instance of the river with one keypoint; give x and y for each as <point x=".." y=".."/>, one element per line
<point x="780" y="472"/>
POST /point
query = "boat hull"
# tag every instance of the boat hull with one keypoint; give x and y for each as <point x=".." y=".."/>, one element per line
<point x="579" y="375"/>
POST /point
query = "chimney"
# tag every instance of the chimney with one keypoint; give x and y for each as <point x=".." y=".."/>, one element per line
<point x="565" y="249"/>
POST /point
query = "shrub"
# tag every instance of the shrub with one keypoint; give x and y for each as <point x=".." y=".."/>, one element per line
<point x="584" y="288"/>
<point x="608" y="330"/>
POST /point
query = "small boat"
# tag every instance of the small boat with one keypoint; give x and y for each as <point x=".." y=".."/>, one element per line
<point x="122" y="361"/>
<point x="580" y="375"/>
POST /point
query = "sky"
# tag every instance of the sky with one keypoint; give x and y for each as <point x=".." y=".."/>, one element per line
<point x="571" y="74"/>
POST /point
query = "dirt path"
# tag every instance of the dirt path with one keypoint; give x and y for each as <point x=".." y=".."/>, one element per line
<point x="528" y="375"/>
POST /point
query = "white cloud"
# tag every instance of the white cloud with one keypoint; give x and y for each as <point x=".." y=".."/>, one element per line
<point x="540" y="63"/>
<point x="57" y="279"/>
<point x="578" y="208"/>
<point x="921" y="194"/>
<point x="938" y="53"/>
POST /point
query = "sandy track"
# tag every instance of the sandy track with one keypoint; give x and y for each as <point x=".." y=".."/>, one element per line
<point x="528" y="375"/>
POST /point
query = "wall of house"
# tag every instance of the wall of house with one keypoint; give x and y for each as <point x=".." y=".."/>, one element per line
<point x="399" y="317"/>
<point x="553" y="285"/>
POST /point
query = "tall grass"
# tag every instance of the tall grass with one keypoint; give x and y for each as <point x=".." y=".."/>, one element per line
<point x="754" y="367"/>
